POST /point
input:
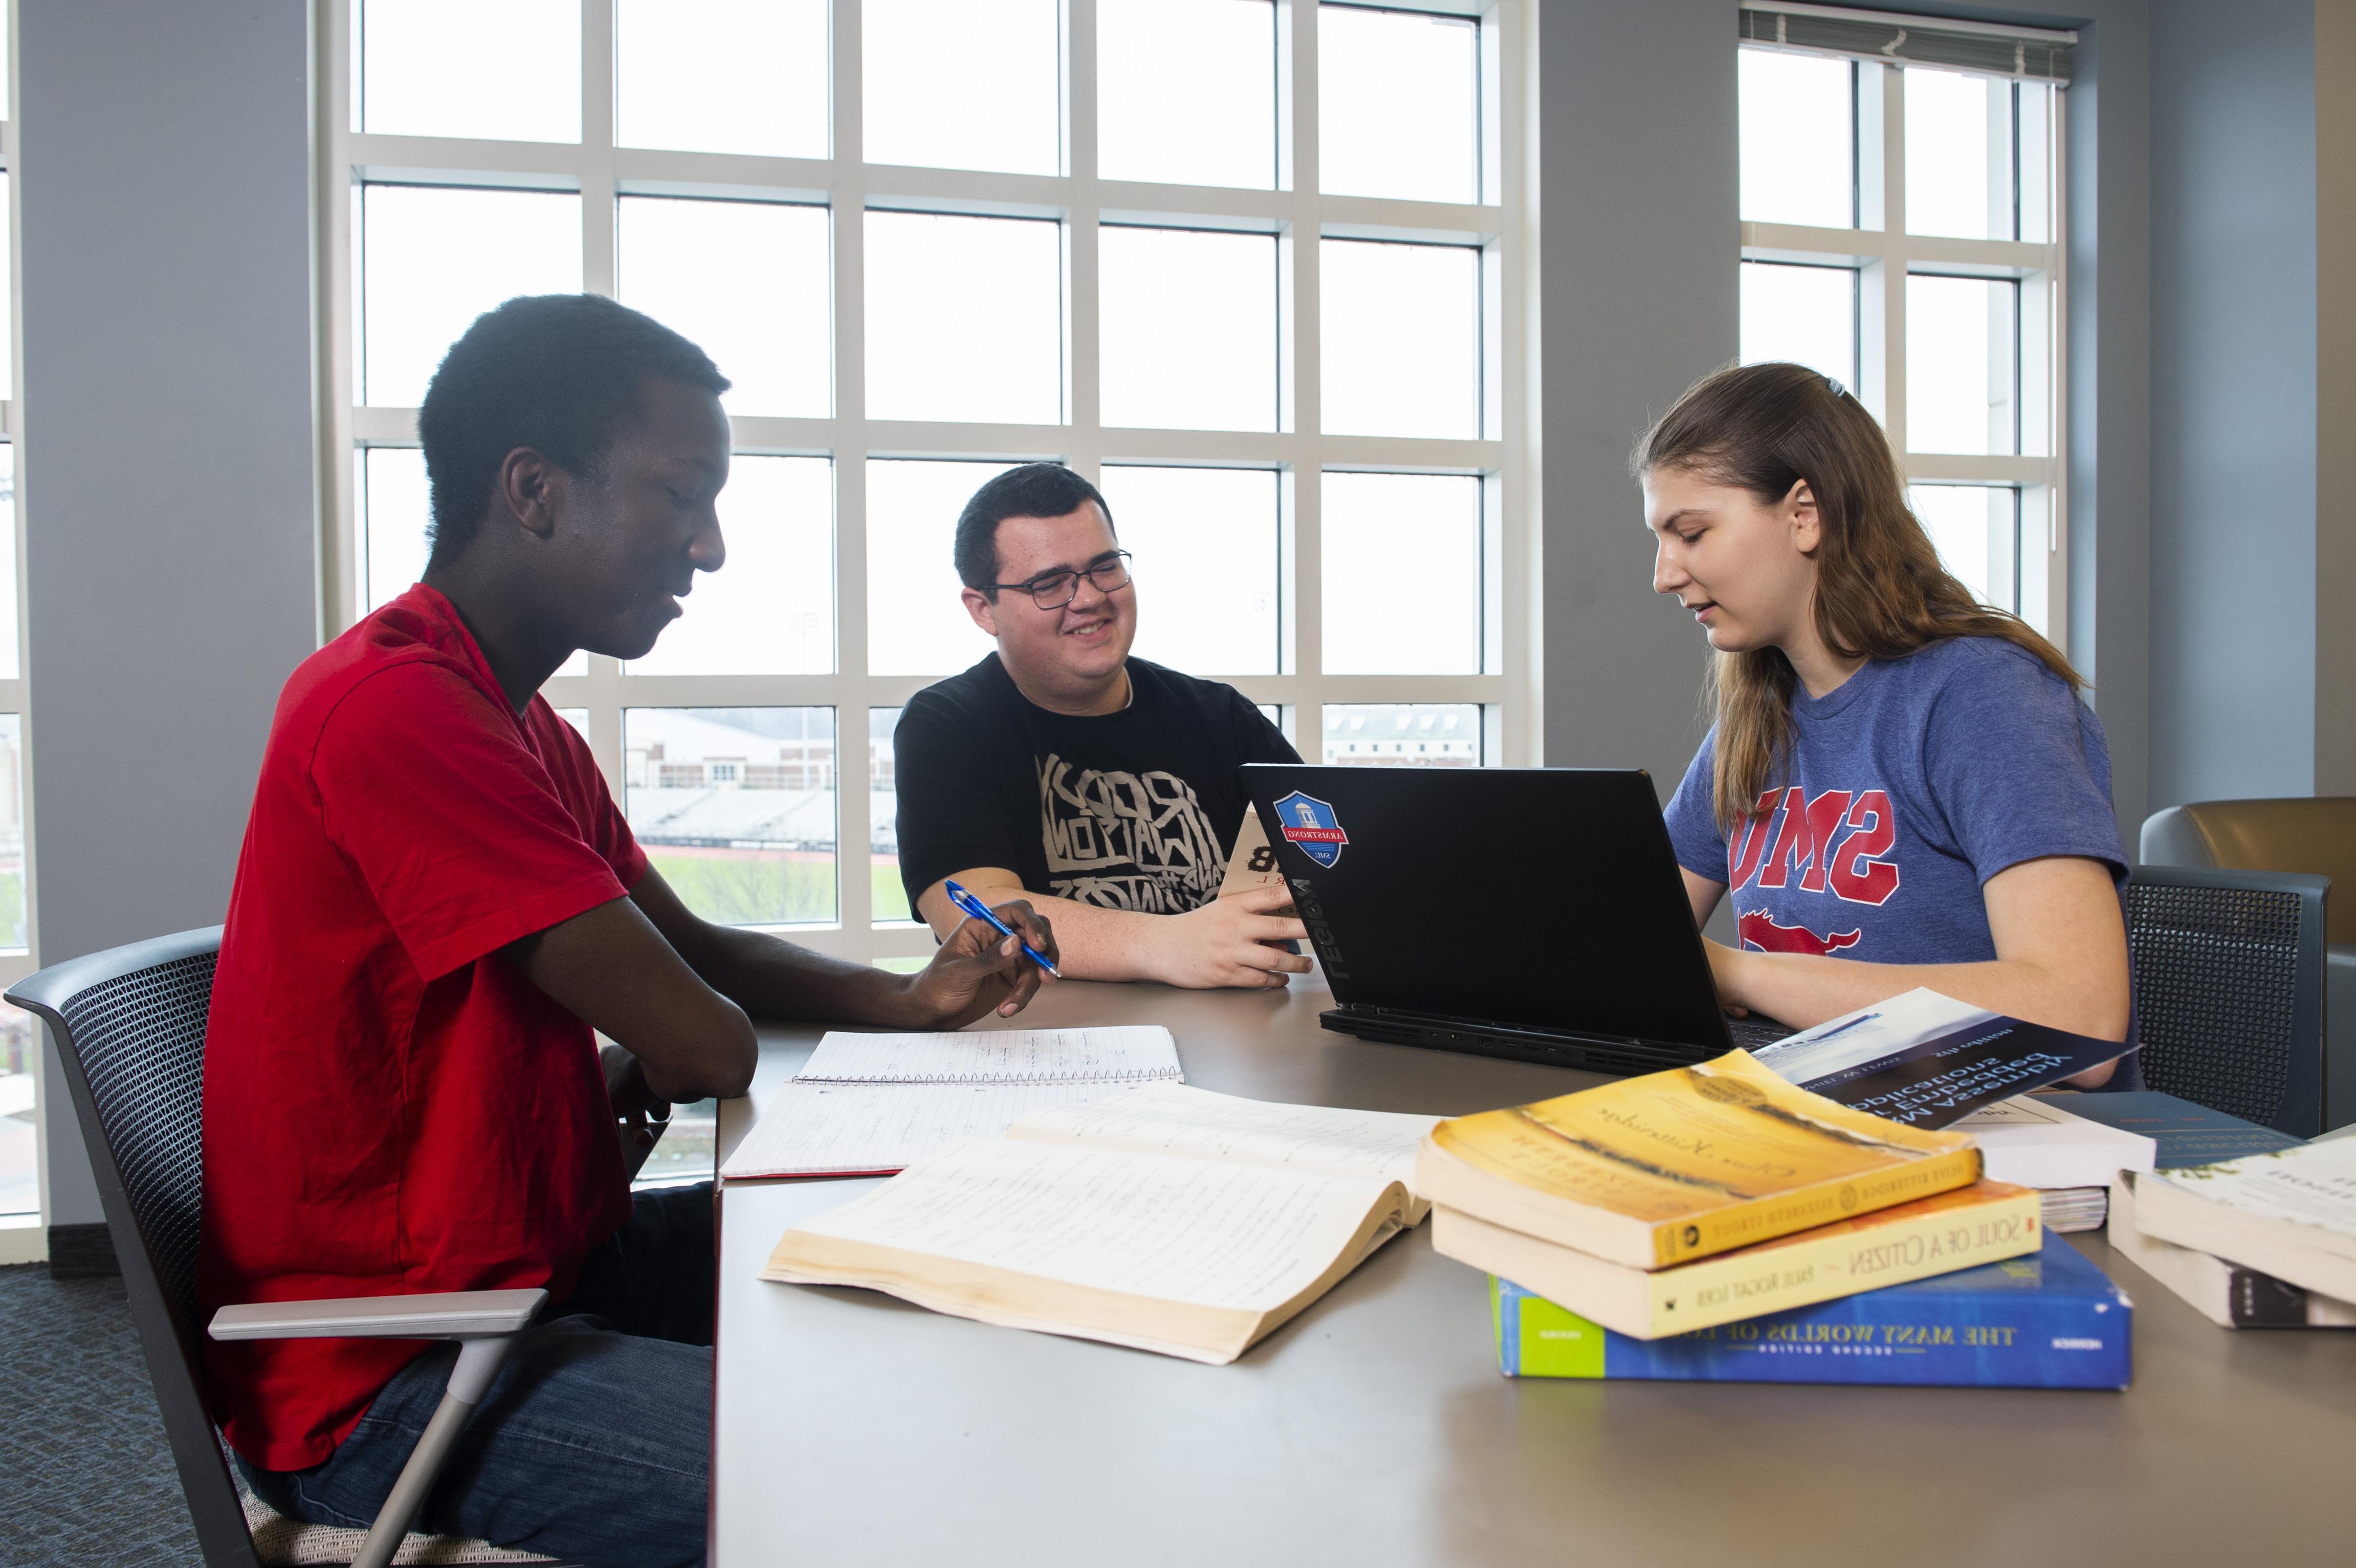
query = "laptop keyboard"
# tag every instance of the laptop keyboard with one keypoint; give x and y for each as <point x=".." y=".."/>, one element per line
<point x="1751" y="1034"/>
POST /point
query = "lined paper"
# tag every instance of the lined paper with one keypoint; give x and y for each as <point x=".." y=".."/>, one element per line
<point x="861" y="1130"/>
<point x="1134" y="1052"/>
<point x="872" y="1104"/>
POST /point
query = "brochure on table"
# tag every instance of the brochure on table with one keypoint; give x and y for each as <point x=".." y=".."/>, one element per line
<point x="1927" y="1059"/>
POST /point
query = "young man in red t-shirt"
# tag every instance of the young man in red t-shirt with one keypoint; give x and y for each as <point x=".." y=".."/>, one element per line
<point x="436" y="902"/>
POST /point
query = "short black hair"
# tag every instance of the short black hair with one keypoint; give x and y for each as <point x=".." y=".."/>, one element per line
<point x="1033" y="490"/>
<point x="557" y="373"/>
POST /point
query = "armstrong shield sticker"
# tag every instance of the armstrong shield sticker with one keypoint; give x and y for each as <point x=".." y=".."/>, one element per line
<point x="1310" y="822"/>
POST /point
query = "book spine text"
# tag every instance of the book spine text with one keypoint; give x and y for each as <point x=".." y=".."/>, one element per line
<point x="1966" y="1340"/>
<point x="1764" y="1219"/>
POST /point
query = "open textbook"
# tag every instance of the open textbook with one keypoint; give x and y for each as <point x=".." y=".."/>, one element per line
<point x="1169" y="1219"/>
<point x="869" y="1105"/>
<point x="1928" y="1060"/>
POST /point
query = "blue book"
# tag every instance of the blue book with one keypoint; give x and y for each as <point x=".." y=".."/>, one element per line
<point x="2048" y="1320"/>
<point x="2187" y="1133"/>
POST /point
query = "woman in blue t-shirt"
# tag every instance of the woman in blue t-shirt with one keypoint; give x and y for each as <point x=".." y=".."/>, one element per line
<point x="1902" y="786"/>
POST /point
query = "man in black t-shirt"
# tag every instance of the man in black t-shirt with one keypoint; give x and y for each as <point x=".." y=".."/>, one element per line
<point x="1103" y="788"/>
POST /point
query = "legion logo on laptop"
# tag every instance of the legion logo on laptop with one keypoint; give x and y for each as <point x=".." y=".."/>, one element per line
<point x="1311" y="823"/>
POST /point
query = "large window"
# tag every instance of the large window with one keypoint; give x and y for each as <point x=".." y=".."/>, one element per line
<point x="1250" y="267"/>
<point x="20" y="1041"/>
<point x="1900" y="234"/>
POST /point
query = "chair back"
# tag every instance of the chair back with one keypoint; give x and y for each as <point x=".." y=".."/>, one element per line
<point x="129" y="1029"/>
<point x="2229" y="971"/>
<point x="2316" y="836"/>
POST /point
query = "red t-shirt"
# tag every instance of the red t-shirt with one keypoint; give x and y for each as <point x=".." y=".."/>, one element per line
<point x="390" y="1107"/>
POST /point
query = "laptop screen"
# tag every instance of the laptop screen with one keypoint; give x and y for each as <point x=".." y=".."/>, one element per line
<point x="1541" y="898"/>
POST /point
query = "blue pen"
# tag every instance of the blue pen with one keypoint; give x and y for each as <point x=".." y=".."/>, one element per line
<point x="973" y="906"/>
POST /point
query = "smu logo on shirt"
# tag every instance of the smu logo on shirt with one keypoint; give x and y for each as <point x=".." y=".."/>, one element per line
<point x="1833" y="843"/>
<point x="1765" y="934"/>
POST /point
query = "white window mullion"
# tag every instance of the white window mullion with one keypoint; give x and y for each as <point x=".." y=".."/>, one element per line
<point x="853" y="829"/>
<point x="599" y="267"/>
<point x="600" y="274"/>
<point x="1082" y="297"/>
<point x="339" y="535"/>
<point x="1892" y="317"/>
<point x="1303" y="406"/>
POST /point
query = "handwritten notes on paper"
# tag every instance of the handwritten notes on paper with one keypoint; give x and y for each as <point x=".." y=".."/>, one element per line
<point x="869" y="1103"/>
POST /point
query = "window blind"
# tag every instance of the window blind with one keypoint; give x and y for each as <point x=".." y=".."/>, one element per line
<point x="2035" y="54"/>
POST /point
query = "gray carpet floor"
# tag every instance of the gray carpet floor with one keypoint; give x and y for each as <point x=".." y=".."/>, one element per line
<point x="83" y="1462"/>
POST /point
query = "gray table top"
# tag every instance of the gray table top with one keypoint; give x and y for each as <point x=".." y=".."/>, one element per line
<point x="1375" y="1428"/>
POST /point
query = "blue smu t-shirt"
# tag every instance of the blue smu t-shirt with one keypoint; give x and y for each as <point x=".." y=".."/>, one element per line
<point x="1908" y="787"/>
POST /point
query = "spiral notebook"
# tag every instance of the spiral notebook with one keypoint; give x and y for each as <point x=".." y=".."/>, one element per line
<point x="872" y="1104"/>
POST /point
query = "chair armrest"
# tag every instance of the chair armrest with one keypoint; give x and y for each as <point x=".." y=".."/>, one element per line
<point x="447" y="1315"/>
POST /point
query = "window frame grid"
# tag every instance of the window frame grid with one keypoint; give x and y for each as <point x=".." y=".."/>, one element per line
<point x="1502" y="455"/>
<point x="1883" y="255"/>
<point x="15" y="963"/>
<point x="24" y="1236"/>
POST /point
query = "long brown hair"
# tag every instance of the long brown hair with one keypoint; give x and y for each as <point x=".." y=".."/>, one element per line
<point x="1880" y="591"/>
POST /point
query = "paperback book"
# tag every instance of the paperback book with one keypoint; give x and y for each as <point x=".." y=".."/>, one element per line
<point x="2071" y="1209"/>
<point x="2048" y="1320"/>
<point x="1978" y="1224"/>
<point x="2291" y="1213"/>
<point x="1660" y="1169"/>
<point x="2040" y="1140"/>
<point x="2226" y="1294"/>
<point x="1924" y="1060"/>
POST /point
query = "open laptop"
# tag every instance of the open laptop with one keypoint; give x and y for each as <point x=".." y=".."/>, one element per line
<point x="1535" y="914"/>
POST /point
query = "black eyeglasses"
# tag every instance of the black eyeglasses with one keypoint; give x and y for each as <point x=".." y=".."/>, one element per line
<point x="1054" y="589"/>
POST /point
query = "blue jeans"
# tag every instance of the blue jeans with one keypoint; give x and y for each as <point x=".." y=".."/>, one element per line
<point x="594" y="1443"/>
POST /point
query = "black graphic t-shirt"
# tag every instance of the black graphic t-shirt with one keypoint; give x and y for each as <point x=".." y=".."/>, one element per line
<point x="1130" y="810"/>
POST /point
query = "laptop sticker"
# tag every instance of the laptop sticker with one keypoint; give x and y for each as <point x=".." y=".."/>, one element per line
<point x="1311" y="823"/>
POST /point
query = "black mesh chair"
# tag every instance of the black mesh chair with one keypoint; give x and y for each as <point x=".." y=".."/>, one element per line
<point x="2229" y="971"/>
<point x="130" y="1028"/>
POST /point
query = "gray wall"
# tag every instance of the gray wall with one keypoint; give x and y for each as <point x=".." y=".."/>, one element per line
<point x="2109" y="279"/>
<point x="168" y="455"/>
<point x="2335" y="397"/>
<point x="1638" y="238"/>
<point x="2233" y="399"/>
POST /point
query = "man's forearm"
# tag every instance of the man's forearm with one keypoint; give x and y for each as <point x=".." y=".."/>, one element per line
<point x="1097" y="944"/>
<point x="772" y="978"/>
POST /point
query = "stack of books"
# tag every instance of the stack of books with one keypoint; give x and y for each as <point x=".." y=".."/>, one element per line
<point x="2254" y="1228"/>
<point x="2039" y="1141"/>
<point x="1718" y="1205"/>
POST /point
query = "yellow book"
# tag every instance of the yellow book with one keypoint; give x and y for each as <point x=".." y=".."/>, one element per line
<point x="1675" y="1166"/>
<point x="1983" y="1223"/>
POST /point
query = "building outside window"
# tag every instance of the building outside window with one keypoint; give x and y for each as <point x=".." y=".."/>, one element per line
<point x="1902" y="203"/>
<point x="1253" y="269"/>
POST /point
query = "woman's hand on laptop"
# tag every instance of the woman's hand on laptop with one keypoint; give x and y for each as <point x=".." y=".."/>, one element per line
<point x="1232" y="941"/>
